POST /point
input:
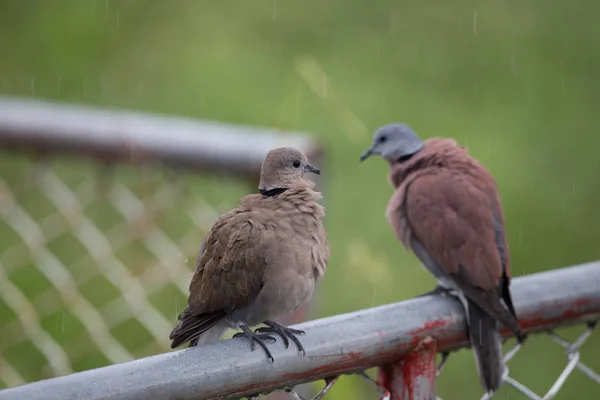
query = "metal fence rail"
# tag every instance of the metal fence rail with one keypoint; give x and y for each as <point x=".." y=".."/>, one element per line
<point x="113" y="135"/>
<point x="342" y="344"/>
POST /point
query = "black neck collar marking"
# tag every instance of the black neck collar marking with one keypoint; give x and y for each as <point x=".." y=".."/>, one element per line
<point x="272" y="192"/>
<point x="407" y="157"/>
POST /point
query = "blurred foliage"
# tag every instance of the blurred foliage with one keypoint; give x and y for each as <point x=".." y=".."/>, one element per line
<point x="517" y="82"/>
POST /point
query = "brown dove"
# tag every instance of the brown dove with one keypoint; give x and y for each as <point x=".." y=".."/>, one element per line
<point x="446" y="210"/>
<point x="259" y="261"/>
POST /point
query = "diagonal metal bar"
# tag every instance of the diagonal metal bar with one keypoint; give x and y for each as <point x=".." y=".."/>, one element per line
<point x="573" y="349"/>
<point x="573" y="358"/>
<point x="42" y="340"/>
<point x="99" y="248"/>
<point x="62" y="280"/>
<point x="384" y="394"/>
<point x="117" y="311"/>
<point x="10" y="375"/>
<point x="155" y="240"/>
<point x="520" y="387"/>
<point x="51" y="227"/>
<point x="370" y="337"/>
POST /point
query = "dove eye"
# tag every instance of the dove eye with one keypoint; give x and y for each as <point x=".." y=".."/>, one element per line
<point x="382" y="139"/>
<point x="296" y="163"/>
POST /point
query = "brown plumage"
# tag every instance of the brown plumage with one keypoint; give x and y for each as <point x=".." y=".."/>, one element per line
<point x="447" y="210"/>
<point x="260" y="260"/>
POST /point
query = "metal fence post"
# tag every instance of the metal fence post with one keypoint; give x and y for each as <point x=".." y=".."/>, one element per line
<point x="413" y="377"/>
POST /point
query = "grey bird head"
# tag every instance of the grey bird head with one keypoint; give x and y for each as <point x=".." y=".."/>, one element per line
<point x="282" y="167"/>
<point x="395" y="142"/>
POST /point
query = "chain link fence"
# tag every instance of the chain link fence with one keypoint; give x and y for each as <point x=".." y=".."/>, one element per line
<point x="76" y="272"/>
<point x="101" y="216"/>
<point x="96" y="254"/>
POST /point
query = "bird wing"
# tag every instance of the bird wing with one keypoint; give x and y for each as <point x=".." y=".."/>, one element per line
<point x="229" y="273"/>
<point x="456" y="225"/>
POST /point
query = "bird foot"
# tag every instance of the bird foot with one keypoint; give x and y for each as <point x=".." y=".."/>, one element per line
<point x="256" y="337"/>
<point x="284" y="332"/>
<point x="440" y="366"/>
<point x="520" y="337"/>
<point x="438" y="290"/>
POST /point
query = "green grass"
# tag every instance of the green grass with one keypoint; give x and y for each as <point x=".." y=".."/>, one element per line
<point x="519" y="87"/>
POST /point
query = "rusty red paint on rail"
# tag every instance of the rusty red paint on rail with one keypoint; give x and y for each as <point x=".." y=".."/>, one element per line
<point x="352" y="359"/>
<point x="546" y="317"/>
<point x="429" y="326"/>
<point x="412" y="365"/>
<point x="345" y="361"/>
<point x="413" y="377"/>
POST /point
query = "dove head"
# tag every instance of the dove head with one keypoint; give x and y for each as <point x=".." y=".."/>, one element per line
<point x="282" y="167"/>
<point x="395" y="142"/>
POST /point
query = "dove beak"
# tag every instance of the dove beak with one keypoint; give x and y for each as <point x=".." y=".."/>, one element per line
<point x="310" y="168"/>
<point x="366" y="155"/>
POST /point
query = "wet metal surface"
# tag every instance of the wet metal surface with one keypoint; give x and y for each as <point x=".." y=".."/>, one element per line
<point x="339" y="344"/>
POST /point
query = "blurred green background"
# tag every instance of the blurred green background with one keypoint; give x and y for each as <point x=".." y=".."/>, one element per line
<point x="517" y="82"/>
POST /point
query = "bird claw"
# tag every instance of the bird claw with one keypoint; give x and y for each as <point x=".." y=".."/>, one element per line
<point x="520" y="337"/>
<point x="284" y="332"/>
<point x="262" y="336"/>
<point x="256" y="337"/>
<point x="295" y="331"/>
<point x="438" y="290"/>
<point x="440" y="366"/>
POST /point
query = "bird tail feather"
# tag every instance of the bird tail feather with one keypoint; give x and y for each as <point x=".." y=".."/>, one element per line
<point x="486" y="342"/>
<point x="194" y="328"/>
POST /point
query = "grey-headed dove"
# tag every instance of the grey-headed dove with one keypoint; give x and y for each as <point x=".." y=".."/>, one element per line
<point x="446" y="209"/>
<point x="259" y="261"/>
